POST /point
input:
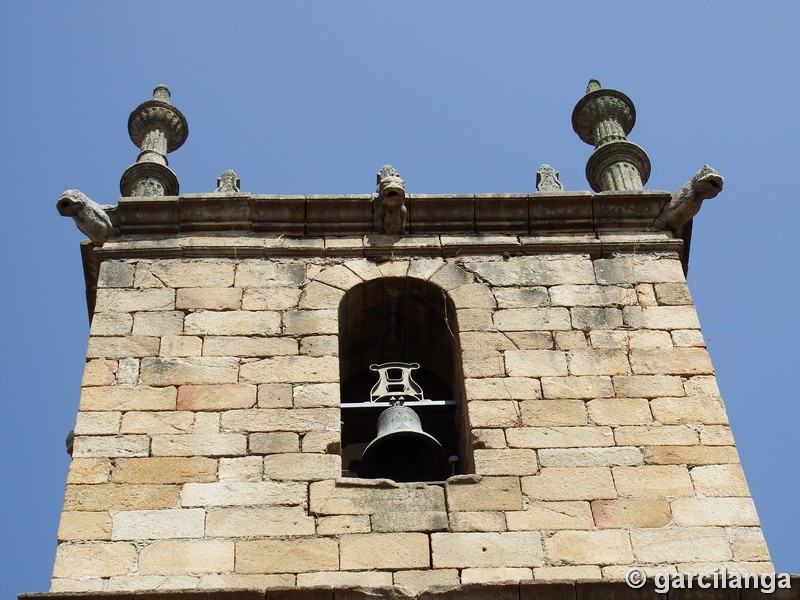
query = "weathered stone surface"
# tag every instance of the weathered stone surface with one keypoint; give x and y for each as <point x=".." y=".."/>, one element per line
<point x="115" y="274"/>
<point x="591" y="295"/>
<point x="589" y="547"/>
<point x="182" y="273"/>
<point x="180" y="346"/>
<point x="747" y="543"/>
<point x="655" y="435"/>
<point x="701" y="385"/>
<point x="181" y="371"/>
<point x="649" y="338"/>
<point x="493" y="413"/>
<point x="624" y="513"/>
<point x="497" y="549"/>
<point x="720" y="480"/>
<point x="588" y="318"/>
<point x="254" y="581"/>
<point x="331" y="498"/>
<point x="544" y="413"/>
<point x="673" y="293"/>
<point x="473" y="295"/>
<point x="302" y="467"/>
<point x="583" y="483"/>
<point x="482" y="363"/>
<point x="653" y="481"/>
<point x="316" y="395"/>
<point x="505" y="461"/>
<point x="157" y="422"/>
<point x="233" y="322"/>
<point x="259" y="273"/>
<point x="276" y="442"/>
<point x="118" y="347"/>
<point x="297" y="555"/>
<point x="128" y="371"/>
<point x="339" y="524"/>
<point x="551" y="515"/>
<point x="259" y="521"/>
<point x="385" y="551"/>
<point x="591" y="457"/>
<point x="275" y="395"/>
<point x="503" y="388"/>
<point x="607" y="339"/>
<point x="216" y="397"/>
<point x="474" y="319"/>
<point x="559" y="437"/>
<point x="496" y="574"/>
<point x="89" y="470"/>
<point x="598" y="362"/>
<point x="186" y="557"/>
<point x="647" y="386"/>
<point x="532" y="319"/>
<point x="488" y="438"/>
<point x="208" y="298"/>
<point x="248" y="346"/>
<point x="692" y="512"/>
<point x="535" y="363"/>
<point x="307" y="322"/>
<point x="571" y="573"/>
<point x="241" y="468"/>
<point x="452" y="275"/>
<point x="116" y="496"/>
<point x="199" y="444"/>
<point x="319" y="345"/>
<point x="97" y="423"/>
<point x="407" y="521"/>
<point x="416" y="581"/>
<point x="681" y="544"/>
<point x="271" y="298"/>
<point x="94" y="559"/>
<point x="111" y="323"/>
<point x="278" y="419"/>
<point x="532" y="340"/>
<point x="157" y="524"/>
<point x="477" y="521"/>
<point x="639" y="268"/>
<point x="620" y="411"/>
<point x="661" y="317"/>
<point x="569" y="340"/>
<point x="691" y="409"/>
<point x="84" y="526"/>
<point x="243" y="493"/>
<point x="690" y="455"/>
<point x="536" y="270"/>
<point x="319" y="295"/>
<point x="677" y="361"/>
<point x="99" y="372"/>
<point x="164" y="470"/>
<point x="206" y="422"/>
<point x="111" y="446"/>
<point x="133" y="300"/>
<point x="688" y="338"/>
<point x="577" y="387"/>
<point x="291" y="369"/>
<point x="346" y="580"/>
<point x="158" y="323"/>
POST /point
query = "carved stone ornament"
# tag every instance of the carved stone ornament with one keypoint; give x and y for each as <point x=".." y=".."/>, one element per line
<point x="90" y="217"/>
<point x="228" y="182"/>
<point x="390" y="211"/>
<point x="686" y="202"/>
<point x="604" y="118"/>
<point x="547" y="180"/>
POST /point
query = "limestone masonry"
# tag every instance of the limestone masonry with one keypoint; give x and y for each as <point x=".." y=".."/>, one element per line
<point x="218" y="439"/>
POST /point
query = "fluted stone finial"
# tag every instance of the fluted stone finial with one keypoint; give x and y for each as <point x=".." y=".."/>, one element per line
<point x="604" y="118"/>
<point x="157" y="128"/>
<point x="228" y="182"/>
<point x="547" y="180"/>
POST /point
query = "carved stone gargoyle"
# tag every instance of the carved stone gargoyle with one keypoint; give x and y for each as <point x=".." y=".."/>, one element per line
<point x="390" y="214"/>
<point x="90" y="217"/>
<point x="685" y="203"/>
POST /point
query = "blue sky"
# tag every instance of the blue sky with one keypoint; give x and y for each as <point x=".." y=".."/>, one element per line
<point x="313" y="97"/>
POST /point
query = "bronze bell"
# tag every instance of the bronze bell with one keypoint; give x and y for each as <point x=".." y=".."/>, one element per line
<point x="402" y="451"/>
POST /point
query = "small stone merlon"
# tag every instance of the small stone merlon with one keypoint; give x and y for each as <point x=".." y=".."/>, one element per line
<point x="604" y="118"/>
<point x="685" y="203"/>
<point x="547" y="180"/>
<point x="390" y="212"/>
<point x="90" y="217"/>
<point x="228" y="182"/>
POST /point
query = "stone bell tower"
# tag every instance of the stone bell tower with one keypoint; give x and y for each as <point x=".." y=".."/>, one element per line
<point x="541" y="348"/>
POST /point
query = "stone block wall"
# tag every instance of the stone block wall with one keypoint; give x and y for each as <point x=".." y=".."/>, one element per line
<point x="206" y="450"/>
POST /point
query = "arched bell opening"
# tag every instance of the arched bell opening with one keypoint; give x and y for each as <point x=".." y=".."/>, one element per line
<point x="400" y="320"/>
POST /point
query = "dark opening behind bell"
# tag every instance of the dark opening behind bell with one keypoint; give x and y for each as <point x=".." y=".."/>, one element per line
<point x="402" y="451"/>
